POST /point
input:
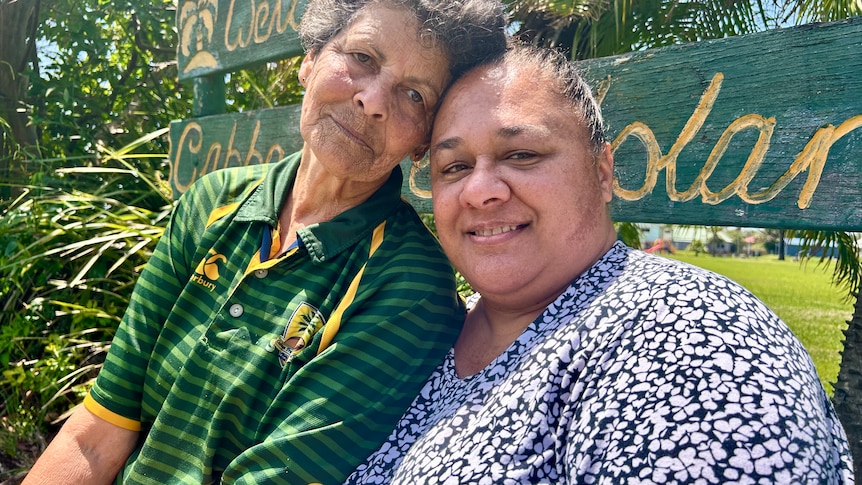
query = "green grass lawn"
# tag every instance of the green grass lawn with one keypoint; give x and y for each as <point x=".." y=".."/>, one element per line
<point x="801" y="294"/>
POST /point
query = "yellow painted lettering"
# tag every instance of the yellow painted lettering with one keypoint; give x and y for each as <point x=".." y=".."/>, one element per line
<point x="193" y="135"/>
<point x="229" y="44"/>
<point x="213" y="157"/>
<point x="647" y="138"/>
<point x="290" y="19"/>
<point x="656" y="161"/>
<point x="275" y="153"/>
<point x="414" y="186"/>
<point x="252" y="151"/>
<point x="812" y="158"/>
<point x="740" y="184"/>
<point x="260" y="18"/>
<point x="692" y="126"/>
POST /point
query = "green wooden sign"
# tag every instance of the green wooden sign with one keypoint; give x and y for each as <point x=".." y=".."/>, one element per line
<point x="201" y="145"/>
<point x="217" y="36"/>
<point x="763" y="130"/>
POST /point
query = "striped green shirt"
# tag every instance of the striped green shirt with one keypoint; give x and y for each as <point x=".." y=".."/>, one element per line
<point x="198" y="363"/>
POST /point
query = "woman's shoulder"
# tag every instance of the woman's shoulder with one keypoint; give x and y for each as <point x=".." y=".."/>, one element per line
<point x="224" y="186"/>
<point x="679" y="284"/>
<point x="406" y="236"/>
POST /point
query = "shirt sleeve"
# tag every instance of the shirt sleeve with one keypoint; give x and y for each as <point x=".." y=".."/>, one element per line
<point x="117" y="393"/>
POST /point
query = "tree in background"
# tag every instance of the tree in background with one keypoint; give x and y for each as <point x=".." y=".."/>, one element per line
<point x="18" y="22"/>
<point x="597" y="28"/>
<point x="81" y="74"/>
<point x="697" y="247"/>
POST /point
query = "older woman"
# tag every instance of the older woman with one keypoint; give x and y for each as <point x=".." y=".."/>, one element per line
<point x="584" y="361"/>
<point x="291" y="311"/>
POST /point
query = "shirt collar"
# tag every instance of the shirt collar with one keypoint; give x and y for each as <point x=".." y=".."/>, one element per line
<point x="326" y="239"/>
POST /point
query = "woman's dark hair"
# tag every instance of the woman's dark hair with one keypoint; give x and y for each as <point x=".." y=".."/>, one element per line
<point x="468" y="31"/>
<point x="557" y="70"/>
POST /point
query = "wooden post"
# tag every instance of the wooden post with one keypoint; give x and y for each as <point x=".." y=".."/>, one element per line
<point x="209" y="95"/>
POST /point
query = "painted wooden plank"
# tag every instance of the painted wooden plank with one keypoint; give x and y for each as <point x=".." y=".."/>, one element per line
<point x="208" y="143"/>
<point x="762" y="130"/>
<point x="217" y="36"/>
<point x="201" y="145"/>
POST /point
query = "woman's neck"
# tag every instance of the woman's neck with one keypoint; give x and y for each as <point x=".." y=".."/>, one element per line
<point x="487" y="333"/>
<point x="317" y="196"/>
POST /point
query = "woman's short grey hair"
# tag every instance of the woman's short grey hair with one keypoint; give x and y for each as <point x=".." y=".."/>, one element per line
<point x="468" y="31"/>
<point x="563" y="76"/>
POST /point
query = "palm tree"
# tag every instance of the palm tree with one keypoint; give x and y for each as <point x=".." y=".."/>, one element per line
<point x="597" y="28"/>
<point x="18" y="137"/>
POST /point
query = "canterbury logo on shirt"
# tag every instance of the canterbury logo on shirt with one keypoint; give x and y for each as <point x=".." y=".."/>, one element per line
<point x="207" y="271"/>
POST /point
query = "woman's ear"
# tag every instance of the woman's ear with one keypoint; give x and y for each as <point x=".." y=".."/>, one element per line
<point x="306" y="67"/>
<point x="419" y="152"/>
<point x="606" y="173"/>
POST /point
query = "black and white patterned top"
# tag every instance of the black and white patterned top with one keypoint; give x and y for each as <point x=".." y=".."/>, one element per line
<point x="645" y="370"/>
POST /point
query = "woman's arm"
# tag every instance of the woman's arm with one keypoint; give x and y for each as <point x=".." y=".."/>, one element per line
<point x="87" y="449"/>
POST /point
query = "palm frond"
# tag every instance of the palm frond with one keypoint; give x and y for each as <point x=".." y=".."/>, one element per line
<point x="843" y="247"/>
<point x="629" y="233"/>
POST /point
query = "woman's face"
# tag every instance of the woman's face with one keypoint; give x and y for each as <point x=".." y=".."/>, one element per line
<point x="370" y="95"/>
<point x="519" y="196"/>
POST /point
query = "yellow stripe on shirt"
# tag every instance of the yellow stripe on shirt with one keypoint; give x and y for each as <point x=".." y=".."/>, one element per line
<point x="334" y="323"/>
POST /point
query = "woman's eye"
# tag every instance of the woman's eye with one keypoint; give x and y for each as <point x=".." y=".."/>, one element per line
<point x="361" y="57"/>
<point x="522" y="155"/>
<point x="414" y="96"/>
<point x="454" y="168"/>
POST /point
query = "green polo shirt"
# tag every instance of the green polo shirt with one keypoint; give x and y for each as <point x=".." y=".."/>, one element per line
<point x="197" y="363"/>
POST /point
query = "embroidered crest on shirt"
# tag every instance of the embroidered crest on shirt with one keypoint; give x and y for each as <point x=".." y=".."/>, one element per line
<point x="304" y="322"/>
<point x="207" y="271"/>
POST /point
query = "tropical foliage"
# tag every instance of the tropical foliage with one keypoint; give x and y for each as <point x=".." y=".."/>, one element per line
<point x="71" y="246"/>
<point x="85" y="101"/>
<point x="597" y="28"/>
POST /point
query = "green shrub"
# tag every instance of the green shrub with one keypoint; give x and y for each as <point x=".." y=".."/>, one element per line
<point x="71" y="247"/>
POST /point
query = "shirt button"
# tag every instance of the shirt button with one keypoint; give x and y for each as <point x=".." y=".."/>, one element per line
<point x="261" y="273"/>
<point x="235" y="310"/>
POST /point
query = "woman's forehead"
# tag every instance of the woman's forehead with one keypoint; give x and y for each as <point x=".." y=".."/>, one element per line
<point x="505" y="102"/>
<point x="490" y="87"/>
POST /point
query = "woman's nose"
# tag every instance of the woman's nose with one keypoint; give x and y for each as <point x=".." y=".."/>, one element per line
<point x="484" y="188"/>
<point x="373" y="99"/>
